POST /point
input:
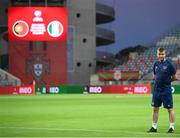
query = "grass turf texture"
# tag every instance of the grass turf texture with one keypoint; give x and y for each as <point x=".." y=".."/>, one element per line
<point x="82" y="116"/>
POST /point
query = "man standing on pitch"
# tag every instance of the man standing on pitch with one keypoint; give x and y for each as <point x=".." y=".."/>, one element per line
<point x="164" y="74"/>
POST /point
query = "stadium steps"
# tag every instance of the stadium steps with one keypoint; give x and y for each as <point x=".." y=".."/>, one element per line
<point x="7" y="79"/>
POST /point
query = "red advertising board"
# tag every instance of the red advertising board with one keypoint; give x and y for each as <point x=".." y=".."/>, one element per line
<point x="121" y="89"/>
<point x="17" y="90"/>
<point x="37" y="23"/>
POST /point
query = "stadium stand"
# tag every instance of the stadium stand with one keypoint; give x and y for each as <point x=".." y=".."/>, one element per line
<point x="143" y="62"/>
<point x="7" y="79"/>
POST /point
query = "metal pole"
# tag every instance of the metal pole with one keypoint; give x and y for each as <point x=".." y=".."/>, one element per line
<point x="29" y="3"/>
<point x="45" y="3"/>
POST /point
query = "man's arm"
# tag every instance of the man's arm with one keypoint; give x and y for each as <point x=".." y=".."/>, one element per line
<point x="154" y="77"/>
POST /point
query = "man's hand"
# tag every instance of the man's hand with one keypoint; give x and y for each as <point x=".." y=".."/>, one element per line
<point x="173" y="78"/>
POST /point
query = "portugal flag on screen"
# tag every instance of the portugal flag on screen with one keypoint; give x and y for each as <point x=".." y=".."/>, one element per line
<point x="37" y="23"/>
<point x="20" y="28"/>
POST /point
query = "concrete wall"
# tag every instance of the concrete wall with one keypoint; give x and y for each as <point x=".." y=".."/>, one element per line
<point x="3" y="14"/>
<point x="3" y="23"/>
<point x="82" y="17"/>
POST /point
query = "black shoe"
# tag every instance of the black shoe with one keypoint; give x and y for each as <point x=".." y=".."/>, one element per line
<point x="152" y="130"/>
<point x="171" y="130"/>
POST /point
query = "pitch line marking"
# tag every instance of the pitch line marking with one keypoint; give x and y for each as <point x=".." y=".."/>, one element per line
<point x="56" y="129"/>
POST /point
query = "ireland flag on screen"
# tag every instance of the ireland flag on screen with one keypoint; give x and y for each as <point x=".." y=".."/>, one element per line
<point x="55" y="28"/>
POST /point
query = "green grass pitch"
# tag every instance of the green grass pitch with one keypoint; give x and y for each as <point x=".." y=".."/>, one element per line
<point x="78" y="115"/>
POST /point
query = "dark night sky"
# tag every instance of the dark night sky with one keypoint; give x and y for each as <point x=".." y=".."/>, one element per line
<point x="140" y="21"/>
